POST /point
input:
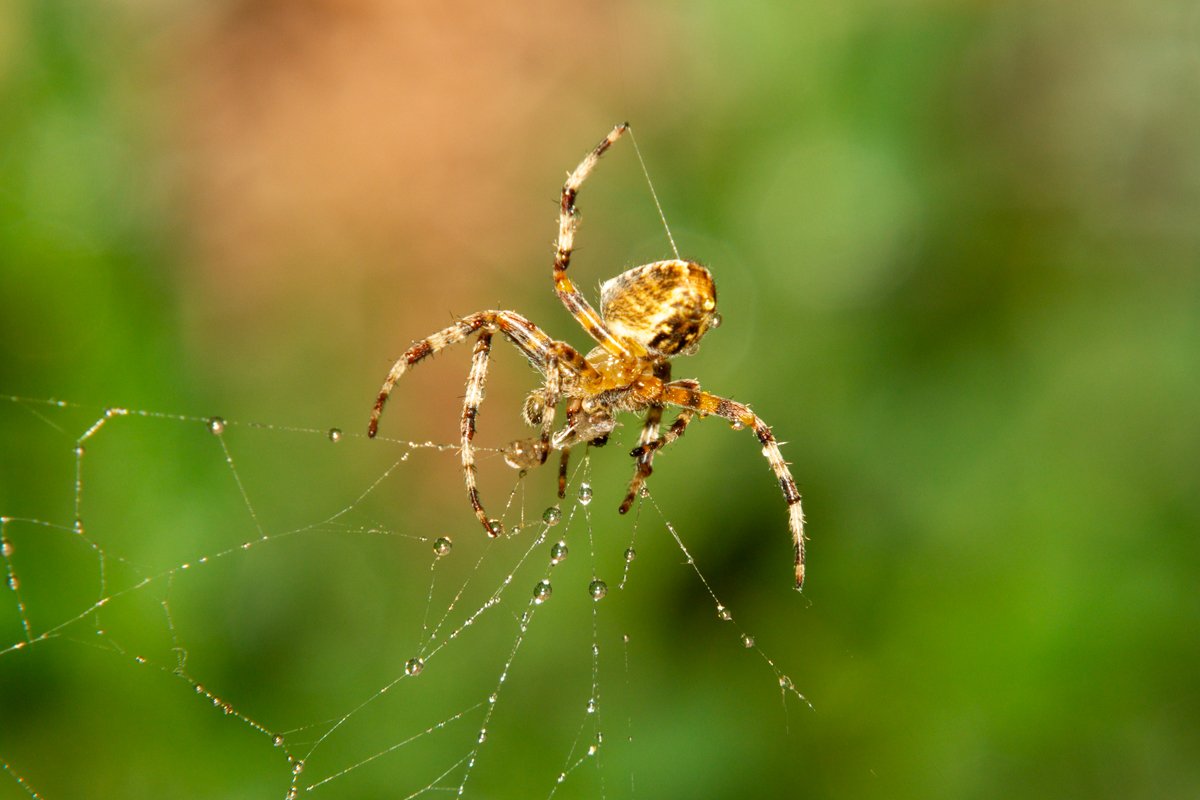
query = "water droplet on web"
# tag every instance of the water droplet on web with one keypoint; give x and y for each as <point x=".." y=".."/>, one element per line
<point x="6" y="548"/>
<point x="515" y="529"/>
<point x="279" y="741"/>
<point x="592" y="750"/>
<point x="558" y="553"/>
<point x="298" y="767"/>
<point x="785" y="683"/>
<point x="482" y="735"/>
<point x="13" y="583"/>
<point x="597" y="589"/>
<point x="335" y="434"/>
<point x="216" y="426"/>
<point x="724" y="614"/>
<point x="747" y="640"/>
<point x="80" y="450"/>
<point x="630" y="554"/>
<point x="552" y="515"/>
<point x="414" y="666"/>
<point x="599" y="737"/>
<point x="585" y="494"/>
<point x="591" y="706"/>
<point x="542" y="592"/>
<point x="442" y="545"/>
<point x="627" y="638"/>
<point x="492" y="699"/>
<point x="495" y="528"/>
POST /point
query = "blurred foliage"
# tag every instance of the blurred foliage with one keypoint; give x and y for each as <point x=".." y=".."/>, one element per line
<point x="956" y="245"/>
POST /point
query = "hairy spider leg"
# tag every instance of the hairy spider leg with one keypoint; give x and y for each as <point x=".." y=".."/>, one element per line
<point x="644" y="452"/>
<point x="539" y="348"/>
<point x="687" y="395"/>
<point x="568" y="221"/>
<point x="475" y="382"/>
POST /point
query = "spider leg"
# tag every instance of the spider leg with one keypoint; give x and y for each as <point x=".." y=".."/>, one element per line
<point x="568" y="221"/>
<point x="475" y="381"/>
<point x="686" y="395"/>
<point x="644" y="452"/>
<point x="540" y="349"/>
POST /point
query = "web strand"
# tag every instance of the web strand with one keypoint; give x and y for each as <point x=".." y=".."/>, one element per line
<point x="653" y="194"/>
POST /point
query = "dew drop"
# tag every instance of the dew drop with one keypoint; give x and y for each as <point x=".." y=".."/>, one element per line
<point x="216" y="426"/>
<point x="279" y="741"/>
<point x="585" y="493"/>
<point x="542" y="592"/>
<point x="482" y="735"/>
<point x="515" y="529"/>
<point x="246" y="545"/>
<point x="442" y="545"/>
<point x="80" y="450"/>
<point x="6" y="548"/>
<point x="597" y="589"/>
<point x="737" y="424"/>
<point x="414" y="666"/>
<point x="714" y="321"/>
<point x="591" y="706"/>
<point x="599" y="737"/>
<point x="630" y="555"/>
<point x="785" y="683"/>
<point x="724" y="614"/>
<point x="627" y="638"/>
<point x="492" y="699"/>
<point x="552" y="515"/>
<point x="13" y="583"/>
<point x="495" y="528"/>
<point x="747" y="640"/>
<point x="199" y="689"/>
<point x="140" y="659"/>
<point x="592" y="750"/>
<point x="298" y="767"/>
<point x="335" y="434"/>
<point x="558" y="553"/>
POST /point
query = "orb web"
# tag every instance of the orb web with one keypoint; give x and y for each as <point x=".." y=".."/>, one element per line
<point x="164" y="528"/>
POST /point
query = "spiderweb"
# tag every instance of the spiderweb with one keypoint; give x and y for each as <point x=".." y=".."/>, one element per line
<point x="165" y="527"/>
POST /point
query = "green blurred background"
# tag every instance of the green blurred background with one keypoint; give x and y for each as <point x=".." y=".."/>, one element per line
<point x="956" y="247"/>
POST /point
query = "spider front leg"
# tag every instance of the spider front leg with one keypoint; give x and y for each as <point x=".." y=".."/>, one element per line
<point x="687" y="395"/>
<point x="539" y="348"/>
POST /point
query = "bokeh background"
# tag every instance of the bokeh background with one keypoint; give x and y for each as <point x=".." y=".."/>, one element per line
<point x="956" y="247"/>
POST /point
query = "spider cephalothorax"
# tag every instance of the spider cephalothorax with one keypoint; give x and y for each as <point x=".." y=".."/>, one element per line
<point x="648" y="315"/>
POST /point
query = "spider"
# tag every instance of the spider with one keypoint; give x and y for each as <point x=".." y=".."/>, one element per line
<point x="648" y="315"/>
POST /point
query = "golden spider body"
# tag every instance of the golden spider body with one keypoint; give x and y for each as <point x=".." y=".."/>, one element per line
<point x="648" y="315"/>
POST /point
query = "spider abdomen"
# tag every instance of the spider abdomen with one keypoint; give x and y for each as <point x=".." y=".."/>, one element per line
<point x="665" y="307"/>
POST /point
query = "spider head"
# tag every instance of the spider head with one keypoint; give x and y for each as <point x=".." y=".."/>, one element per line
<point x="665" y="306"/>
